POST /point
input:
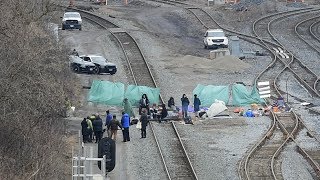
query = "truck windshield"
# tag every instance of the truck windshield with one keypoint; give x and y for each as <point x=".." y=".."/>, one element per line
<point x="215" y="34"/>
<point x="71" y="15"/>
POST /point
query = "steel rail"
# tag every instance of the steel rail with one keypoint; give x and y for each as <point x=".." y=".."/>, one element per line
<point x="151" y="126"/>
<point x="184" y="150"/>
<point x="308" y="42"/>
<point x="303" y="66"/>
<point x="132" y="74"/>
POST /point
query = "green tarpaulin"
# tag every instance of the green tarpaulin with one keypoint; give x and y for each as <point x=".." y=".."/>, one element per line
<point x="208" y="94"/>
<point x="242" y="97"/>
<point x="134" y="94"/>
<point x="105" y="92"/>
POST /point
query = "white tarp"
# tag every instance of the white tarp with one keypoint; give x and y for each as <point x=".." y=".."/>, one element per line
<point x="216" y="108"/>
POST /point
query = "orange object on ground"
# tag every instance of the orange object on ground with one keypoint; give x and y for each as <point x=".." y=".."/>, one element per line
<point x="275" y="109"/>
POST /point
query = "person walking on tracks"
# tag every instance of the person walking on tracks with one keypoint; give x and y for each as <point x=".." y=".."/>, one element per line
<point x="97" y="128"/>
<point x="185" y="103"/>
<point x="114" y="124"/>
<point x="144" y="123"/>
<point x="125" y="122"/>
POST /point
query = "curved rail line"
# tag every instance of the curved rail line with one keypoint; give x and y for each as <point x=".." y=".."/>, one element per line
<point x="312" y="40"/>
<point x="142" y="75"/>
<point x="283" y="121"/>
<point x="302" y="73"/>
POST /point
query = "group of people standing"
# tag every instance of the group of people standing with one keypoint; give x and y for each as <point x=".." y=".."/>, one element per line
<point x="93" y="125"/>
<point x="185" y="105"/>
<point x="89" y="125"/>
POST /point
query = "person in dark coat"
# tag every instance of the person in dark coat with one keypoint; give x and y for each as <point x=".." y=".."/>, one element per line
<point x="84" y="130"/>
<point x="185" y="103"/>
<point x="144" y="122"/>
<point x="196" y="105"/>
<point x="113" y="125"/>
<point x="144" y="103"/>
<point x="164" y="112"/>
<point x="75" y="53"/>
<point x="97" y="128"/>
<point x="108" y="120"/>
<point x="125" y="122"/>
<point x="171" y="103"/>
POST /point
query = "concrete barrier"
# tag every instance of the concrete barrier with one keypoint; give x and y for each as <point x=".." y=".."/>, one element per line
<point x="219" y="53"/>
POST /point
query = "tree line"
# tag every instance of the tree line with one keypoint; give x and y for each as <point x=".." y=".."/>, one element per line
<point x="35" y="82"/>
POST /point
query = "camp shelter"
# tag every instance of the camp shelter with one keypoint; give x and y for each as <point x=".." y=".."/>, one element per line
<point x="208" y="94"/>
<point x="106" y="92"/>
<point x="241" y="96"/>
<point x="134" y="93"/>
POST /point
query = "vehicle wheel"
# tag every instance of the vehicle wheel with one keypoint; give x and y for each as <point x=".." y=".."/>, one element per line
<point x="80" y="29"/>
<point x="96" y="70"/>
<point x="205" y="47"/>
<point x="63" y="28"/>
<point x="76" y="69"/>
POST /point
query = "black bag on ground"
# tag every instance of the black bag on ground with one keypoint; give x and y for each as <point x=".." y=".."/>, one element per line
<point x="134" y="121"/>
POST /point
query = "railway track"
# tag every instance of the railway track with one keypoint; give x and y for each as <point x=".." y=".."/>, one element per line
<point x="173" y="153"/>
<point x="262" y="162"/>
<point x="273" y="147"/>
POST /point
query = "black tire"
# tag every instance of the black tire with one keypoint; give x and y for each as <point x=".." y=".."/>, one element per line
<point x="76" y="68"/>
<point x="206" y="47"/>
<point x="63" y="28"/>
<point x="80" y="28"/>
<point x="96" y="70"/>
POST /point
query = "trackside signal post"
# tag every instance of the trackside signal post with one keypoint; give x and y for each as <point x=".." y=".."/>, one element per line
<point x="82" y="164"/>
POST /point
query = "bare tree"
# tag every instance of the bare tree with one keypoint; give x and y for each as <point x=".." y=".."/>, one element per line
<point x="34" y="83"/>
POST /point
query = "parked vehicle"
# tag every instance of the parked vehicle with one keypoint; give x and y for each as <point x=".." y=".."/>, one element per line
<point x="215" y="38"/>
<point x="78" y="65"/>
<point x="71" y="20"/>
<point x="102" y="63"/>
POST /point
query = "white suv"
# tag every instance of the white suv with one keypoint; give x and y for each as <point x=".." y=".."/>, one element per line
<point x="215" y="38"/>
<point x="71" y="20"/>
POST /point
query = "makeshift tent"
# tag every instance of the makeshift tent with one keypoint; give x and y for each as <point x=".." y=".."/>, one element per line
<point x="216" y="108"/>
<point x="105" y="92"/>
<point x="208" y="94"/>
<point x="242" y="97"/>
<point x="134" y="94"/>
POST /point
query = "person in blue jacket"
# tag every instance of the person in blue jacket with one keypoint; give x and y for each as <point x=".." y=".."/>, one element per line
<point x="125" y="122"/>
<point x="196" y="105"/>
<point x="185" y="103"/>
